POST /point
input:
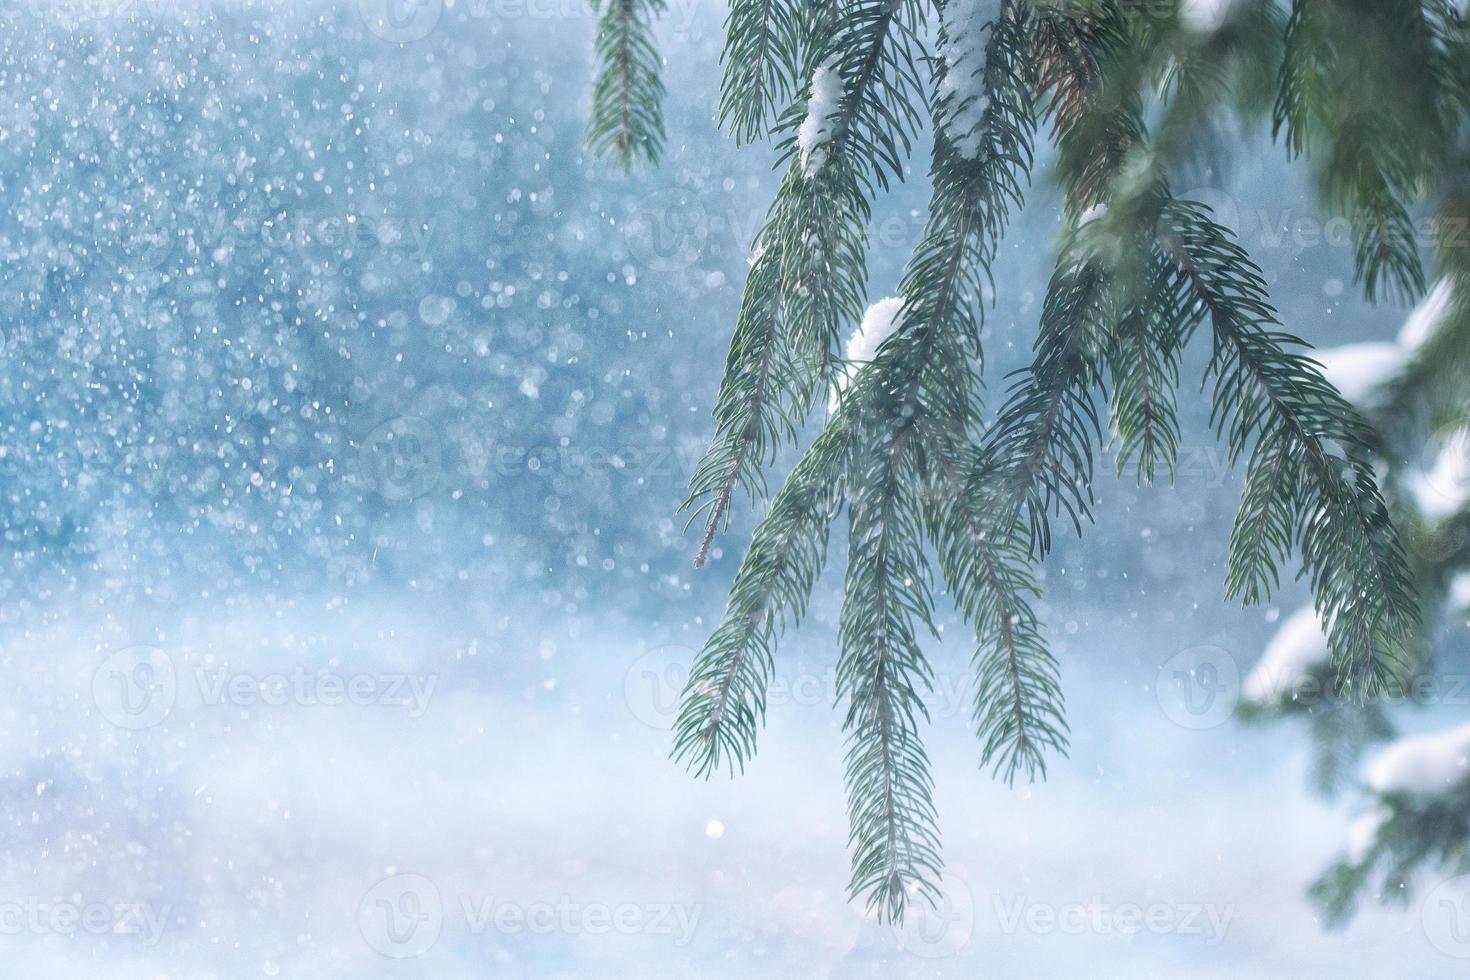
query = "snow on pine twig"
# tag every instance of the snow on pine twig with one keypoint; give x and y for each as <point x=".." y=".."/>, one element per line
<point x="1443" y="490"/>
<point x="1363" y="833"/>
<point x="1426" y="318"/>
<point x="1299" y="647"/>
<point x="1423" y="765"/>
<point x="1359" y="371"/>
<point x="1096" y="212"/>
<point x="816" y="129"/>
<point x="1460" y="591"/>
<point x="1204" y="16"/>
<point x="964" y="77"/>
<point x="879" y="322"/>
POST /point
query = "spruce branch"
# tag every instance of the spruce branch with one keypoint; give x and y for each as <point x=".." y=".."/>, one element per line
<point x="912" y="401"/>
<point x="882" y="673"/>
<point x="1137" y="273"/>
<point x="1040" y="449"/>
<point x="977" y="173"/>
<point x="1143" y="364"/>
<point x="627" y="122"/>
<point x="723" y="703"/>
<point x="1449" y="32"/>
<point x="1372" y="111"/>
<point x="1209" y="80"/>
<point x="754" y="408"/>
<point x="810" y="266"/>
<point x="766" y="42"/>
<point x="1310" y="482"/>
<point x="1019" y="709"/>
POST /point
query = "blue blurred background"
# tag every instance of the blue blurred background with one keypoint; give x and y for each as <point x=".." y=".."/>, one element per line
<point x="345" y="412"/>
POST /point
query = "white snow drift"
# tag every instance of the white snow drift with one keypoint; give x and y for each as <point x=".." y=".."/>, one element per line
<point x="1444" y="489"/>
<point x="816" y="129"/>
<point x="1360" y="370"/>
<point x="879" y="323"/>
<point x="964" y="78"/>
<point x="1423" y="765"/>
<point x="1299" y="647"/>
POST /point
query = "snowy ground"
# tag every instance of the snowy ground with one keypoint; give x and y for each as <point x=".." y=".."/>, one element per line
<point x="346" y="602"/>
<point x="383" y="788"/>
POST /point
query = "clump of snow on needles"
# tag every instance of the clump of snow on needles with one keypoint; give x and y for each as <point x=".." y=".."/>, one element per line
<point x="879" y="323"/>
<point x="1444" y="490"/>
<point x="1299" y="646"/>
<point x="1427" y="316"/>
<point x="816" y="129"/>
<point x="1363" y="833"/>
<point x="1095" y="213"/>
<point x="1204" y="16"/>
<point x="1423" y="765"/>
<point x="1460" y="591"/>
<point x="964" y="77"/>
<point x="1360" y="370"/>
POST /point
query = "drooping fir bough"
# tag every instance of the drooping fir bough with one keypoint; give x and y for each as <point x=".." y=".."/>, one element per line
<point x="1371" y="92"/>
<point x="1411" y="802"/>
<point x="627" y="121"/>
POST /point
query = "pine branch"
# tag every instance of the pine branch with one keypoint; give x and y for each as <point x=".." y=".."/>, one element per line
<point x="724" y="700"/>
<point x="882" y="673"/>
<point x="1413" y="833"/>
<point x="1137" y="274"/>
<point x="1449" y="32"/>
<point x="1372" y="111"/>
<point x="1040" y="449"/>
<point x="977" y="170"/>
<point x="1300" y="489"/>
<point x="1310" y="482"/>
<point x="1143" y="363"/>
<point x="754" y="408"/>
<point x="914" y="391"/>
<point x="1431" y="388"/>
<point x="1206" y="79"/>
<point x="764" y="57"/>
<point x="810" y="266"/>
<point x="1038" y="454"/>
<point x="627" y="97"/>
<point x="1019" y="711"/>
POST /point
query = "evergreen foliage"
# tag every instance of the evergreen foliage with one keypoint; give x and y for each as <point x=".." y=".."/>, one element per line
<point x="1370" y="94"/>
<point x="627" y="122"/>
